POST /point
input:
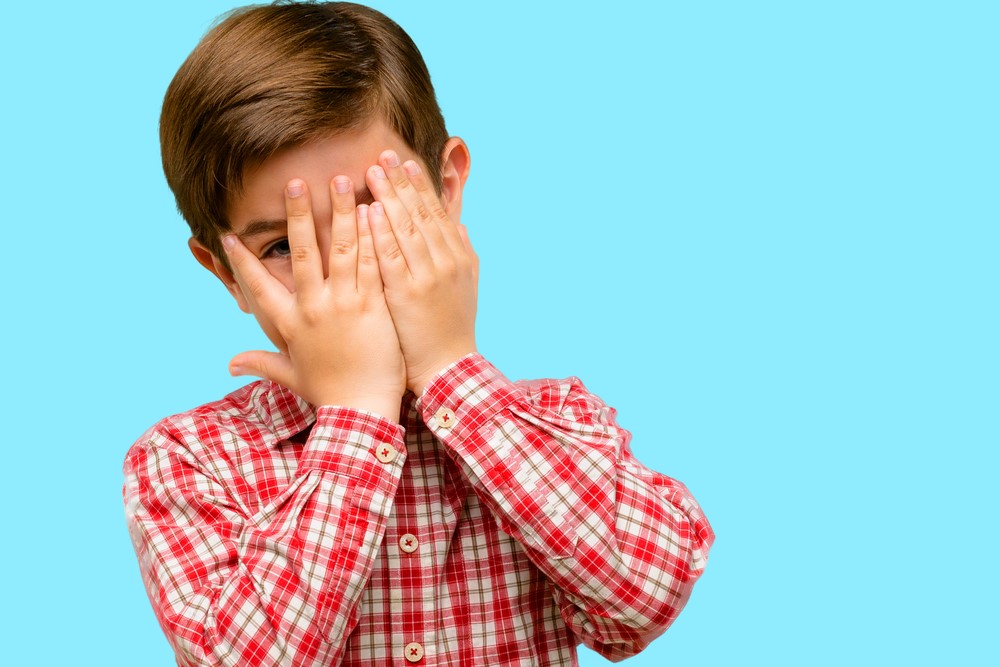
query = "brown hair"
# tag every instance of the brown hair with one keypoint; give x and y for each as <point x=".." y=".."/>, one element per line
<point x="271" y="76"/>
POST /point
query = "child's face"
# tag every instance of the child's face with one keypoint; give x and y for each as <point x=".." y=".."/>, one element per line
<point x="258" y="215"/>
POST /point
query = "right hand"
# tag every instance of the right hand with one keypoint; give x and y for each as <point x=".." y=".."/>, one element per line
<point x="340" y="346"/>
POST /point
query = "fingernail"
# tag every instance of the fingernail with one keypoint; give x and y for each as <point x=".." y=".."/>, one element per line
<point x="342" y="185"/>
<point x="391" y="158"/>
<point x="378" y="172"/>
<point x="411" y="167"/>
<point x="363" y="211"/>
<point x="229" y="241"/>
<point x="237" y="370"/>
<point x="377" y="208"/>
<point x="294" y="188"/>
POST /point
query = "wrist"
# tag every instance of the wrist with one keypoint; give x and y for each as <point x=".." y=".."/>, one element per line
<point x="419" y="382"/>
<point x="386" y="407"/>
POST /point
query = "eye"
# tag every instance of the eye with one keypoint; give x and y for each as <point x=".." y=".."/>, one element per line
<point x="276" y="249"/>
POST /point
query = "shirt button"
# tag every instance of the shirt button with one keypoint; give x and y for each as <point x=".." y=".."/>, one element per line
<point x="413" y="652"/>
<point x="408" y="543"/>
<point x="385" y="453"/>
<point x="445" y="418"/>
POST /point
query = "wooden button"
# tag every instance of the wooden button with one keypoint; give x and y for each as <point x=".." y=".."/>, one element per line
<point x="385" y="453"/>
<point x="445" y="418"/>
<point x="408" y="543"/>
<point x="413" y="652"/>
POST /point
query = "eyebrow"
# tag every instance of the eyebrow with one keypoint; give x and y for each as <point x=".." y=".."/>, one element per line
<point x="261" y="226"/>
<point x="258" y="227"/>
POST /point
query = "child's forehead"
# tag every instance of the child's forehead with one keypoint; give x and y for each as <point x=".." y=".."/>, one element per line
<point x="347" y="153"/>
<point x="250" y="219"/>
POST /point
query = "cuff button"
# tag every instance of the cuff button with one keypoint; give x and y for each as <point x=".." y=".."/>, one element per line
<point x="445" y="418"/>
<point x="385" y="453"/>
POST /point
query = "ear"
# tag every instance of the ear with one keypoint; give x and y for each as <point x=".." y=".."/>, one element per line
<point x="455" y="163"/>
<point x="219" y="269"/>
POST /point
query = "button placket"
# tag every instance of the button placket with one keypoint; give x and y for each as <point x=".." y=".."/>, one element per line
<point x="413" y="652"/>
<point x="408" y="543"/>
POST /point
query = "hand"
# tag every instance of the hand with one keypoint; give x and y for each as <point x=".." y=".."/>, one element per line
<point x="429" y="270"/>
<point x="340" y="344"/>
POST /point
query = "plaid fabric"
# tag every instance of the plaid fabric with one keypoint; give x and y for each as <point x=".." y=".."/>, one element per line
<point x="499" y="524"/>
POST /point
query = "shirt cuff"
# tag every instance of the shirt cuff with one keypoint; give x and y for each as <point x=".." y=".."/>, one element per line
<point x="485" y="420"/>
<point x="460" y="403"/>
<point x="356" y="443"/>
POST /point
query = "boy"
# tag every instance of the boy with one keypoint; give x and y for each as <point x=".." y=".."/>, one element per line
<point x="384" y="495"/>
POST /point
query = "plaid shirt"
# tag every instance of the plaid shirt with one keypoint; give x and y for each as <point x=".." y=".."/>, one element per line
<point x="499" y="524"/>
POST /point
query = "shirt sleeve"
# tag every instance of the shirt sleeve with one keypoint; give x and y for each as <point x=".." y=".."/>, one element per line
<point x="275" y="585"/>
<point x="621" y="544"/>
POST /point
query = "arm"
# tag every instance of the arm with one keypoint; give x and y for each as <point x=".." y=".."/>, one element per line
<point x="622" y="545"/>
<point x="280" y="585"/>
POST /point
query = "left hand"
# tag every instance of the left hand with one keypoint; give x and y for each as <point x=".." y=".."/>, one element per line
<point x="429" y="270"/>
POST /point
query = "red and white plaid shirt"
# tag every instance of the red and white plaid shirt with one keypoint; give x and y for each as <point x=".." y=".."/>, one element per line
<point x="500" y="524"/>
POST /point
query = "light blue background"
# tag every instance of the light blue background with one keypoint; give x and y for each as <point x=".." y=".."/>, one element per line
<point x="766" y="232"/>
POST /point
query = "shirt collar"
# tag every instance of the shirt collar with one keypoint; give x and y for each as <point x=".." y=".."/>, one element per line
<point x="282" y="411"/>
<point x="286" y="414"/>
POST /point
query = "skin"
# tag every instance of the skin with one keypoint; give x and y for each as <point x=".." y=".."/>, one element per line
<point x="361" y="275"/>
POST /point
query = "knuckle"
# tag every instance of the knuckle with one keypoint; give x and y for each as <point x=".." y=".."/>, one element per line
<point x="343" y="208"/>
<point x="301" y="253"/>
<point x="341" y="247"/>
<point x="436" y="209"/>
<point x="367" y="259"/>
<point x="421" y="213"/>
<point x="419" y="182"/>
<point x="393" y="252"/>
<point x="401" y="182"/>
<point x="448" y="268"/>
<point x="422" y="285"/>
<point x="310" y="313"/>
<point x="407" y="228"/>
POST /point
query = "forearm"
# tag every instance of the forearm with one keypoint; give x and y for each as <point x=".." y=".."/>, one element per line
<point x="277" y="584"/>
<point x="622" y="545"/>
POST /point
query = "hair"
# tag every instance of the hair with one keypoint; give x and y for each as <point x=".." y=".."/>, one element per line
<point x="267" y="77"/>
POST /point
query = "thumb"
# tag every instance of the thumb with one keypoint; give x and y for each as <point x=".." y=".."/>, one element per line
<point x="268" y="365"/>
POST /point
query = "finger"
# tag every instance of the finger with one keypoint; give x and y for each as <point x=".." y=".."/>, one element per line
<point x="369" y="279"/>
<point x="391" y="263"/>
<point x="344" y="235"/>
<point x="307" y="269"/>
<point x="260" y="288"/>
<point x="268" y="365"/>
<point x="432" y="201"/>
<point x="431" y="218"/>
<point x="409" y="238"/>
<point x="407" y="185"/>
